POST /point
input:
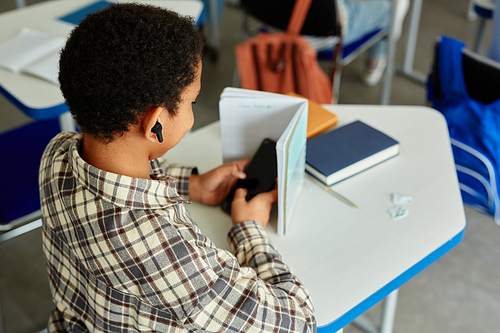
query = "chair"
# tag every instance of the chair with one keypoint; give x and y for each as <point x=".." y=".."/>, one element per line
<point x="462" y="85"/>
<point x="322" y="30"/>
<point x="21" y="149"/>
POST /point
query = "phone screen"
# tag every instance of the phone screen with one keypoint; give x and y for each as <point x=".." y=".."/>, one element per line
<point x="261" y="174"/>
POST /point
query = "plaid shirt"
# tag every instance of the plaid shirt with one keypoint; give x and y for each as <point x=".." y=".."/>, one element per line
<point x="123" y="254"/>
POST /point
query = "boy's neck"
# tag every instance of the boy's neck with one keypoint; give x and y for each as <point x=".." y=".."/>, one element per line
<point x="123" y="156"/>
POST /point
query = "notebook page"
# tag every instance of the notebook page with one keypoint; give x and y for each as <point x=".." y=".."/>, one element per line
<point x="46" y="68"/>
<point x="26" y="47"/>
<point x="245" y="122"/>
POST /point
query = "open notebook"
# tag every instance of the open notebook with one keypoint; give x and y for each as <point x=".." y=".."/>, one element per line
<point x="32" y="52"/>
<point x="247" y="117"/>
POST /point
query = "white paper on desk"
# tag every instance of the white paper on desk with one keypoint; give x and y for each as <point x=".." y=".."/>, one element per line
<point x="247" y="117"/>
<point x="32" y="50"/>
<point x="46" y="68"/>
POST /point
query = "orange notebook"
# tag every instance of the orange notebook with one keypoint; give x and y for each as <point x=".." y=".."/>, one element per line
<point x="319" y="119"/>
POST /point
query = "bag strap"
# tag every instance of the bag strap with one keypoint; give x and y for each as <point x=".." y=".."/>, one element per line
<point x="298" y="16"/>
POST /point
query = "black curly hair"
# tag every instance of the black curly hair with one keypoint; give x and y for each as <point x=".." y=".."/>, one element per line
<point x="124" y="60"/>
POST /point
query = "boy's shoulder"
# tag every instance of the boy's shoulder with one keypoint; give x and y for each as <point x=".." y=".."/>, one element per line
<point x="60" y="145"/>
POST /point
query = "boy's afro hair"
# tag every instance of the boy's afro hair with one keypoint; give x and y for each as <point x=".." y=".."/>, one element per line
<point x="124" y="60"/>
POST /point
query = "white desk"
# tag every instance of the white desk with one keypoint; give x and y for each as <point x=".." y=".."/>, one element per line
<point x="350" y="259"/>
<point x="36" y="97"/>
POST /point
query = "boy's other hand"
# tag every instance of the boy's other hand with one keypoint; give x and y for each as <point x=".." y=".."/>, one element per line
<point x="258" y="209"/>
<point x="213" y="187"/>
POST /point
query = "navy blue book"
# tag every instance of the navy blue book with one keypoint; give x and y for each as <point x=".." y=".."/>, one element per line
<point x="348" y="150"/>
<point x="78" y="15"/>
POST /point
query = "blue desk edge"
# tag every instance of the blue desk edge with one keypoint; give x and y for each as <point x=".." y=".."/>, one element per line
<point x="393" y="285"/>
<point x="38" y="114"/>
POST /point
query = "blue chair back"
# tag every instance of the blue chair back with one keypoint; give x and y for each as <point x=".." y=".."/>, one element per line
<point x="21" y="150"/>
<point x="463" y="87"/>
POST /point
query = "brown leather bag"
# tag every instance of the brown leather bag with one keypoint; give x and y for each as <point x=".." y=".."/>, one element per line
<point x="284" y="62"/>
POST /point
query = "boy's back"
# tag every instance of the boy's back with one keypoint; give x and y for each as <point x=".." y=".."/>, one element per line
<point x="122" y="251"/>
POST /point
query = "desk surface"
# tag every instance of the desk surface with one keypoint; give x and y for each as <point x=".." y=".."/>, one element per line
<point x="350" y="259"/>
<point x="31" y="94"/>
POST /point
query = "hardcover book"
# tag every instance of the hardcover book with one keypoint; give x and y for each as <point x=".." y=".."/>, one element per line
<point x="319" y="119"/>
<point x="348" y="150"/>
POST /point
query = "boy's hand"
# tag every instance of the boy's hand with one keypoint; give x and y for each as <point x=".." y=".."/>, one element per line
<point x="258" y="209"/>
<point x="213" y="187"/>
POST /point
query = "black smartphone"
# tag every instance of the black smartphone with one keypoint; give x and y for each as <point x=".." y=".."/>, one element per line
<point x="261" y="174"/>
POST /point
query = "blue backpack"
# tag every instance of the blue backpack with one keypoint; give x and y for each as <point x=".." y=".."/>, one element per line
<point x="464" y="87"/>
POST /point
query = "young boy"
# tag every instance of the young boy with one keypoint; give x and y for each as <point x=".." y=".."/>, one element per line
<point x="122" y="251"/>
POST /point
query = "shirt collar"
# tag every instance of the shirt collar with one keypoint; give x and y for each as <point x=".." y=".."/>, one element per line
<point x="123" y="191"/>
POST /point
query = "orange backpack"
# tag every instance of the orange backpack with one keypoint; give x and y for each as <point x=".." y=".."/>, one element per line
<point x="284" y="62"/>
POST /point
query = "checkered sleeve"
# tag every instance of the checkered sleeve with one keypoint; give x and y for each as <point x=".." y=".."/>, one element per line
<point x="284" y="300"/>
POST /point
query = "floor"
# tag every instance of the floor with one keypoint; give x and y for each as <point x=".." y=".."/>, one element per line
<point x="460" y="293"/>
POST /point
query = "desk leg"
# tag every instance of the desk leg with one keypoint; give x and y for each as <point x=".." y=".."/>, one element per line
<point x="479" y="35"/>
<point x="407" y="70"/>
<point x="471" y="14"/>
<point x="386" y="320"/>
<point x="412" y="35"/>
<point x="214" y="28"/>
<point x="391" y="53"/>
<point x="388" y="313"/>
<point x="66" y="122"/>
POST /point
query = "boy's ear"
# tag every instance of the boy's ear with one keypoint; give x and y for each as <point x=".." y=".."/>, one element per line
<point x="149" y="121"/>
